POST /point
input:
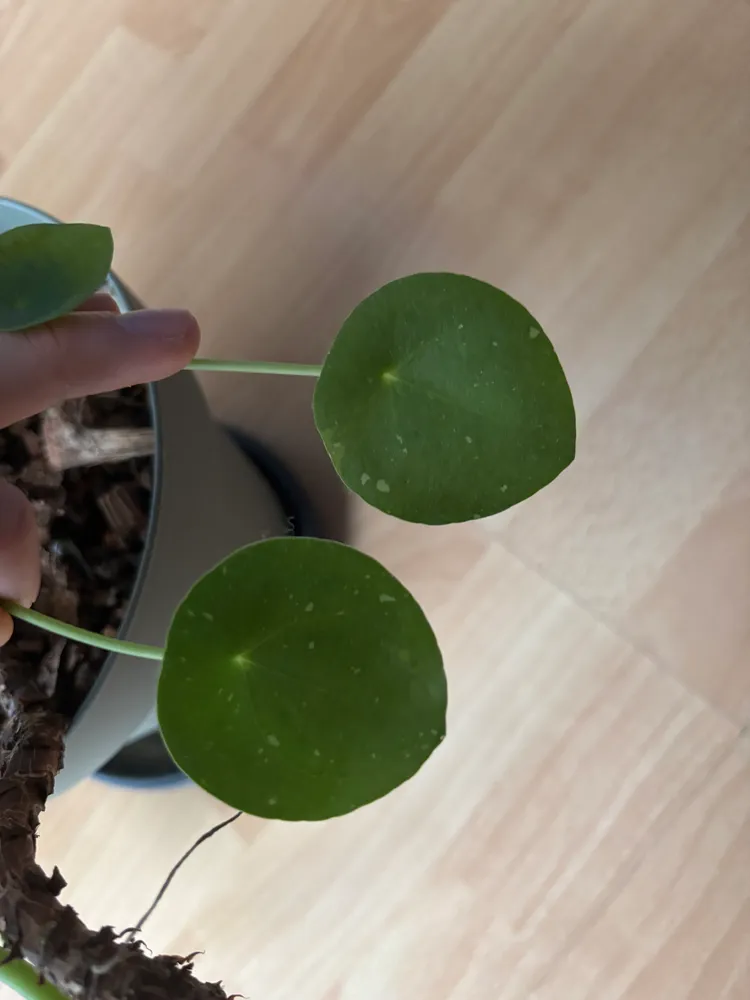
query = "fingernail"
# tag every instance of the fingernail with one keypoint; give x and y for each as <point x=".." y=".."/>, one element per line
<point x="166" y="324"/>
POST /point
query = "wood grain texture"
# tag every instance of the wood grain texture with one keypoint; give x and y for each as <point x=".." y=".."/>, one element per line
<point x="584" y="833"/>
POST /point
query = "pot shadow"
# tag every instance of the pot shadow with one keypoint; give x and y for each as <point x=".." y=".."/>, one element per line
<point x="316" y="267"/>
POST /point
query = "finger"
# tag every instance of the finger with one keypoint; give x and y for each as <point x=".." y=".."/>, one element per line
<point x="19" y="552"/>
<point x="19" y="546"/>
<point x="101" y="302"/>
<point x="87" y="353"/>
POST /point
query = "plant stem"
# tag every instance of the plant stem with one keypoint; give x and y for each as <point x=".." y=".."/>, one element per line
<point x="24" y="979"/>
<point x="81" y="634"/>
<point x="253" y="367"/>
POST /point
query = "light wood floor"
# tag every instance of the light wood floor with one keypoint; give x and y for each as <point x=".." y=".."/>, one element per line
<point x="584" y="833"/>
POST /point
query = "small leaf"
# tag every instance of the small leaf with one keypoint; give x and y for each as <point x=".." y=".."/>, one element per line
<point x="442" y="400"/>
<point x="47" y="271"/>
<point x="301" y="681"/>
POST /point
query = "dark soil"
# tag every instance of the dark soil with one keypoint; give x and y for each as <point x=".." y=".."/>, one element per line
<point x="93" y="522"/>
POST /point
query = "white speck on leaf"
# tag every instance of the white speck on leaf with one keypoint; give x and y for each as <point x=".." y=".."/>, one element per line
<point x="469" y="440"/>
<point x="208" y="616"/>
<point x="382" y="486"/>
<point x="272" y="801"/>
<point x="494" y="343"/>
<point x="460" y="326"/>
<point x="534" y="332"/>
<point x="399" y="439"/>
<point x="311" y="644"/>
<point x="310" y="606"/>
<point x="272" y="740"/>
<point x="386" y="599"/>
<point x="317" y="753"/>
<point x="191" y="613"/>
<point x="504" y="488"/>
<point x="374" y="756"/>
<point x="364" y="479"/>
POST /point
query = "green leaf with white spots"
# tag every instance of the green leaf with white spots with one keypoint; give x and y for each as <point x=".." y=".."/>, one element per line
<point x="442" y="400"/>
<point x="47" y="271"/>
<point x="301" y="681"/>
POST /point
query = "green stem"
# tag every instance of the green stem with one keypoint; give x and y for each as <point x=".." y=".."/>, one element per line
<point x="81" y="634"/>
<point x="253" y="367"/>
<point x="24" y="979"/>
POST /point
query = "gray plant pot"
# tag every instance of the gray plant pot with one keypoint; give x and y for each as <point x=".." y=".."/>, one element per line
<point x="208" y="500"/>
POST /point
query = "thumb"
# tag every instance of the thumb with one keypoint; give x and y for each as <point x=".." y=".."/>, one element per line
<point x="19" y="552"/>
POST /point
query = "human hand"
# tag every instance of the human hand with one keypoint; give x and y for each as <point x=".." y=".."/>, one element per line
<point x="94" y="350"/>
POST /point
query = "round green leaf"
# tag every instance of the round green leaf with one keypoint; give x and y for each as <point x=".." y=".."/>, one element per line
<point x="46" y="271"/>
<point x="442" y="400"/>
<point x="301" y="681"/>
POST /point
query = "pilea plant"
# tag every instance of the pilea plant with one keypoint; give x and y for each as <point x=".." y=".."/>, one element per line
<point x="300" y="680"/>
